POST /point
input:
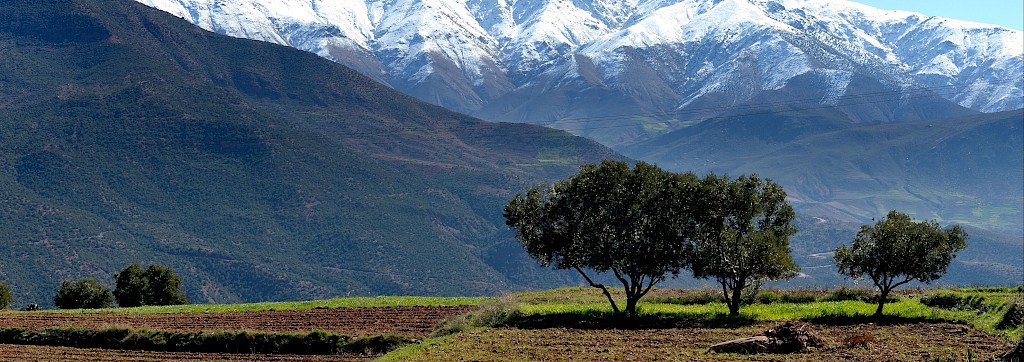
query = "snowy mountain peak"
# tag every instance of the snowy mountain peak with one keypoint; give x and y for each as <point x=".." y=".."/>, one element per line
<point x="541" y="60"/>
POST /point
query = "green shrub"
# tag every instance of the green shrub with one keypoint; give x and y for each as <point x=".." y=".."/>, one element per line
<point x="316" y="342"/>
<point x="781" y="296"/>
<point x="83" y="293"/>
<point x="764" y="297"/>
<point x="496" y="313"/>
<point x="5" y="296"/>
<point x="375" y="345"/>
<point x="958" y="301"/>
<point x="844" y="293"/>
<point x="1012" y="313"/>
<point x="695" y="297"/>
<point x="799" y="296"/>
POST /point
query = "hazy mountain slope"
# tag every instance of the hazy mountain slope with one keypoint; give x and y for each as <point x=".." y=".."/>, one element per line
<point x="257" y="171"/>
<point x="963" y="170"/>
<point x="643" y="61"/>
<point x="989" y="259"/>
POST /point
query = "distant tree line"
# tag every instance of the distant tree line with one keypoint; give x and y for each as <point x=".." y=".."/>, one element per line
<point x="643" y="224"/>
<point x="134" y="286"/>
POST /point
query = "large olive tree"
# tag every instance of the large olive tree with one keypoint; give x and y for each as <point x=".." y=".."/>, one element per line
<point x="742" y="239"/>
<point x="897" y="250"/>
<point x="631" y="222"/>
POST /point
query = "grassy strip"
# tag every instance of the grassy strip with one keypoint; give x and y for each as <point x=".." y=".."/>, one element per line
<point x="412" y="350"/>
<point x="908" y="309"/>
<point x="315" y="342"/>
<point x="348" y="302"/>
<point x="997" y="311"/>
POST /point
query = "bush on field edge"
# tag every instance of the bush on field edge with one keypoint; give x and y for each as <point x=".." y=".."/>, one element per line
<point x="492" y="314"/>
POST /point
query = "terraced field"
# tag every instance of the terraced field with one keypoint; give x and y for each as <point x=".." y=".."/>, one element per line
<point x="354" y="322"/>
<point x="408" y="321"/>
<point x="46" y="353"/>
<point x="860" y="342"/>
<point x="570" y="325"/>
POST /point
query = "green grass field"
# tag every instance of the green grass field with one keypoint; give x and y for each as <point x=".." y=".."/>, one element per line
<point x="570" y="323"/>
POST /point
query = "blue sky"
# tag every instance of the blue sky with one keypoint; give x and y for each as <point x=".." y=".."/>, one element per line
<point x="1008" y="13"/>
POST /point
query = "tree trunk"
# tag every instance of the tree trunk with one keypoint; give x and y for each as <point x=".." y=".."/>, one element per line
<point x="734" y="301"/>
<point x="631" y="301"/>
<point x="599" y="286"/>
<point x="881" y="302"/>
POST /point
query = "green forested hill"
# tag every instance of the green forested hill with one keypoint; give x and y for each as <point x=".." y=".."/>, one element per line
<point x="257" y="172"/>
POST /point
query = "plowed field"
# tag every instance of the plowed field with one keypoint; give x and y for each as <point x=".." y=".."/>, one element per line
<point x="353" y="322"/>
<point x="42" y="353"/>
<point x="862" y="342"/>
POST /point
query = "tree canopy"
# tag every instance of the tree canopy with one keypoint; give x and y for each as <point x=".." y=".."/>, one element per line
<point x="742" y="239"/>
<point x="130" y="286"/>
<point x="644" y="224"/>
<point x="608" y="217"/>
<point x="83" y="293"/>
<point x="156" y="285"/>
<point x="164" y="286"/>
<point x="897" y="250"/>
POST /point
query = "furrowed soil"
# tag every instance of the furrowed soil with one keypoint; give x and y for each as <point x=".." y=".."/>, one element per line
<point x="859" y="342"/>
<point x="414" y="322"/>
<point x="20" y="353"/>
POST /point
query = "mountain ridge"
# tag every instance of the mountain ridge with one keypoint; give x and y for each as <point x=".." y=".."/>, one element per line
<point x="541" y="61"/>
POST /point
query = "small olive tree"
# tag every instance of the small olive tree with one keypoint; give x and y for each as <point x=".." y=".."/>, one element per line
<point x="897" y="250"/>
<point x="743" y="238"/>
<point x="83" y="293"/>
<point x="608" y="217"/>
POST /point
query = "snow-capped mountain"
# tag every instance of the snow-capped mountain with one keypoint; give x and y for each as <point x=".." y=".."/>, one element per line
<point x="650" y="64"/>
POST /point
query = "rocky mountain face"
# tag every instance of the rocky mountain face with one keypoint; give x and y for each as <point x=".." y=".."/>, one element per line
<point x="622" y="71"/>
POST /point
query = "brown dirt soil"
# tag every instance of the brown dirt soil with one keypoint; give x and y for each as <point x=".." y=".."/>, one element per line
<point x="19" y="353"/>
<point x="407" y="321"/>
<point x="900" y="342"/>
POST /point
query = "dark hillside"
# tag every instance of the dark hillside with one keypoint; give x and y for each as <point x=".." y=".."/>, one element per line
<point x="258" y="172"/>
